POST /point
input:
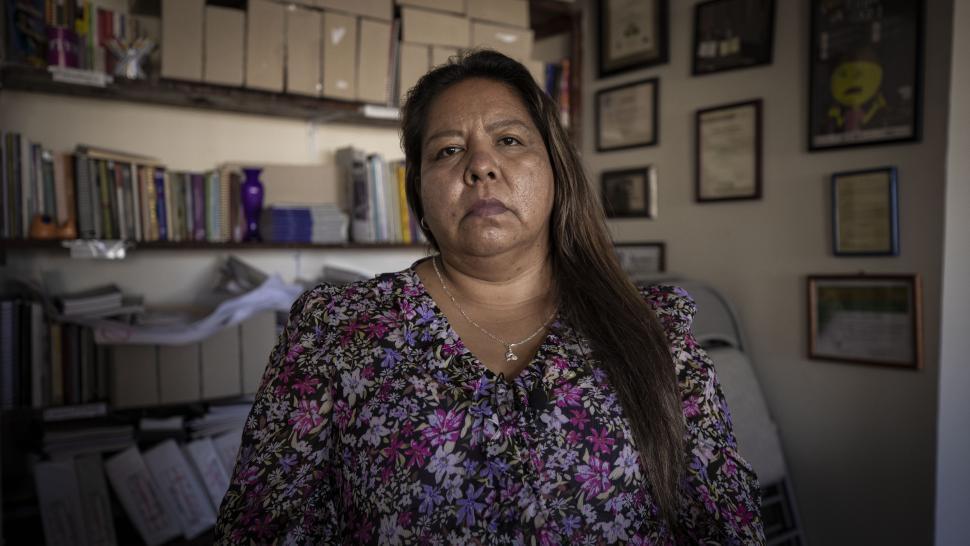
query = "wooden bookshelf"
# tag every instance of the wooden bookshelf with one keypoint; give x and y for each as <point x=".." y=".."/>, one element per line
<point x="195" y="95"/>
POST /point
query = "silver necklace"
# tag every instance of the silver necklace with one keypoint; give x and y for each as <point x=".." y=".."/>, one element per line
<point x="509" y="353"/>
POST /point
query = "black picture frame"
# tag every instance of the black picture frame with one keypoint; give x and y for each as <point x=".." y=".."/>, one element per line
<point x="732" y="34"/>
<point x="629" y="193"/>
<point x="624" y="104"/>
<point x="881" y="322"/>
<point x="635" y="15"/>
<point x="865" y="73"/>
<point x="854" y="230"/>
<point x="634" y="256"/>
<point x="704" y="194"/>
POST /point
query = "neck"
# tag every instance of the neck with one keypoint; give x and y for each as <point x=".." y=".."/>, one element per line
<point x="499" y="282"/>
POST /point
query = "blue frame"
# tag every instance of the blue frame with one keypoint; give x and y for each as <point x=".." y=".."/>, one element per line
<point x="893" y="196"/>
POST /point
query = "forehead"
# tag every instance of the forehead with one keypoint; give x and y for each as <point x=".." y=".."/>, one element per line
<point x="475" y="99"/>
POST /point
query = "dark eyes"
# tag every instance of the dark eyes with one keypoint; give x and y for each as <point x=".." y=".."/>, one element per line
<point x="452" y="150"/>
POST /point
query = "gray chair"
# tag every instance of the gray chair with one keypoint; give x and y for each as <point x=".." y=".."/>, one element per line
<point x="717" y="329"/>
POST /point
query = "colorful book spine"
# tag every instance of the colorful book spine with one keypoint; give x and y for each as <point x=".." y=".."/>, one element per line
<point x="105" y="191"/>
<point x="118" y="199"/>
<point x="406" y="236"/>
<point x="136" y="201"/>
<point x="160" y="208"/>
<point x="198" y="207"/>
<point x="213" y="207"/>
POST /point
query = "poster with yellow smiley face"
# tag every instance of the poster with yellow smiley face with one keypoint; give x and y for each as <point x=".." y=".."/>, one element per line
<point x="865" y="72"/>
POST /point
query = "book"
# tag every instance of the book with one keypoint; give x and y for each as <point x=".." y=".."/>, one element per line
<point x="179" y="488"/>
<point x="60" y="501"/>
<point x="161" y="209"/>
<point x="48" y="192"/>
<point x="141" y="498"/>
<point x="134" y="184"/>
<point x="353" y="164"/>
<point x="208" y="466"/>
<point x="227" y="446"/>
<point x="105" y="297"/>
<point x="85" y="214"/>
<point x="98" y="520"/>
<point x="198" y="207"/>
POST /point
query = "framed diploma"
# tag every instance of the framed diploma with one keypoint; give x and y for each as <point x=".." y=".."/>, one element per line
<point x="868" y="319"/>
<point x="865" y="213"/>
<point x="630" y="193"/>
<point x="865" y="72"/>
<point x="728" y="152"/>
<point x="626" y="116"/>
<point x="632" y="34"/>
<point x="731" y="34"/>
<point x="641" y="261"/>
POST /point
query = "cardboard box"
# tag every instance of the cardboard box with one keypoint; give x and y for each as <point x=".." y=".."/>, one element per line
<point x="453" y="6"/>
<point x="264" y="45"/>
<point x="514" y="42"/>
<point x="538" y="71"/>
<point x="339" y="56"/>
<point x="415" y="62"/>
<point x="303" y="27"/>
<point x="225" y="31"/>
<point x="441" y="54"/>
<point x="373" y="61"/>
<point x="506" y="12"/>
<point x="378" y="9"/>
<point x="182" y="32"/>
<point x="419" y="26"/>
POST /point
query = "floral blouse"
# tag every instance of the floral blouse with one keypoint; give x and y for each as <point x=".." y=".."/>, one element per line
<point x="374" y="424"/>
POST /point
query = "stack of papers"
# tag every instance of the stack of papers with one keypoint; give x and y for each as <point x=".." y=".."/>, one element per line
<point x="219" y="420"/>
<point x="65" y="443"/>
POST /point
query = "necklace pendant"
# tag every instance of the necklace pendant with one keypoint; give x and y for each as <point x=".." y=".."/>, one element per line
<point x="509" y="355"/>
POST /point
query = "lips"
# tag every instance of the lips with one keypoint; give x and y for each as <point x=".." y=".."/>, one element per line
<point x="487" y="207"/>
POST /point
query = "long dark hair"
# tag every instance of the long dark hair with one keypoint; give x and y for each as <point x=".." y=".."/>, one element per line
<point x="595" y="295"/>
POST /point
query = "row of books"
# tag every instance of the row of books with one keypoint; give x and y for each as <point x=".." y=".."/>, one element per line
<point x="168" y="491"/>
<point x="46" y="363"/>
<point x="377" y="200"/>
<point x="95" y="24"/>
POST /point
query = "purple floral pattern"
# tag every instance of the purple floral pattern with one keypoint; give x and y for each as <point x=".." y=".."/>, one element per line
<point x="374" y="424"/>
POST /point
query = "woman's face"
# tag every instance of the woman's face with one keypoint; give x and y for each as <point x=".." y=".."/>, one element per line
<point x="486" y="182"/>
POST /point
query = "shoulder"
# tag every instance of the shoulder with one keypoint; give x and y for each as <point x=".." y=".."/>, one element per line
<point x="673" y="306"/>
<point x="332" y="303"/>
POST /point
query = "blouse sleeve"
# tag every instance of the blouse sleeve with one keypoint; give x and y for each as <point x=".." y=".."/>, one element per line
<point x="722" y="498"/>
<point x="282" y="489"/>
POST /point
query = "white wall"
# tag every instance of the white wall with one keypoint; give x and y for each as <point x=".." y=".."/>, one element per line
<point x="859" y="440"/>
<point x="953" y="439"/>
<point x="192" y="140"/>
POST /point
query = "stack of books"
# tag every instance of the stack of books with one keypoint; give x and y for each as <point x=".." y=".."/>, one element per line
<point x="323" y="224"/>
<point x="60" y="442"/>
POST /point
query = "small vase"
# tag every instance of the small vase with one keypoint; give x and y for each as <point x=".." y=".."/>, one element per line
<point x="252" y="202"/>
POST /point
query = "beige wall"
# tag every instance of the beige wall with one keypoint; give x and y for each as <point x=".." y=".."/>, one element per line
<point x="859" y="440"/>
<point x="953" y="440"/>
<point x="186" y="139"/>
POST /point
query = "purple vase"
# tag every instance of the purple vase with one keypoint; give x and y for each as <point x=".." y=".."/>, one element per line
<point x="252" y="202"/>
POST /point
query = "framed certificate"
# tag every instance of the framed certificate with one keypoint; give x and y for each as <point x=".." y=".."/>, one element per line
<point x="641" y="261"/>
<point x="865" y="72"/>
<point x="731" y="34"/>
<point x="632" y="34"/>
<point x="630" y="193"/>
<point x="865" y="213"/>
<point x="728" y="152"/>
<point x="868" y="319"/>
<point x="626" y="115"/>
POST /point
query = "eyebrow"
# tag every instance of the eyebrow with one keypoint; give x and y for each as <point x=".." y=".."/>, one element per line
<point x="491" y="127"/>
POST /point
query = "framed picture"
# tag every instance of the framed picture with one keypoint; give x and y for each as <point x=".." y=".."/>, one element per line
<point x="730" y="34"/>
<point x="641" y="261"/>
<point x="868" y="319"/>
<point x="865" y="73"/>
<point x="630" y="193"/>
<point x="632" y="34"/>
<point x="865" y="213"/>
<point x="626" y="115"/>
<point x="728" y="152"/>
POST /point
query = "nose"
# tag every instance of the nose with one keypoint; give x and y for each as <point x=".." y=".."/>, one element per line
<point x="481" y="167"/>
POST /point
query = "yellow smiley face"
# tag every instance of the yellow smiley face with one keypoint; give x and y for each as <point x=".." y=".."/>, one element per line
<point x="855" y="82"/>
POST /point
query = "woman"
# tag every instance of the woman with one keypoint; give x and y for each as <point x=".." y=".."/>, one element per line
<point x="515" y="388"/>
